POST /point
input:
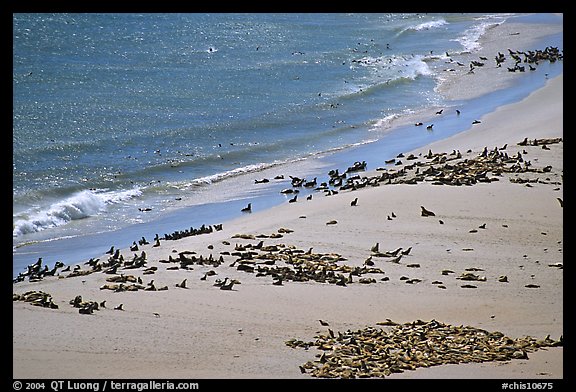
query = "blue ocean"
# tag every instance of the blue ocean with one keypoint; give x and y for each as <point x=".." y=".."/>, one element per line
<point x="128" y="125"/>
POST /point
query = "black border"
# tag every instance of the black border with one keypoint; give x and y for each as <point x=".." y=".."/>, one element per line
<point x="293" y="6"/>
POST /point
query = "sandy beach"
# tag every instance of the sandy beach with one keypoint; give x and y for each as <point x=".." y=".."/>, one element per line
<point x="205" y="332"/>
<point x="504" y="221"/>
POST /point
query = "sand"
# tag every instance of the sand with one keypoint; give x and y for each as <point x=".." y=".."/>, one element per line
<point x="458" y="83"/>
<point x="204" y="332"/>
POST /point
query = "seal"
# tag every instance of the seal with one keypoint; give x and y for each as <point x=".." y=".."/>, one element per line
<point x="426" y="212"/>
<point x="182" y="285"/>
<point x="227" y="286"/>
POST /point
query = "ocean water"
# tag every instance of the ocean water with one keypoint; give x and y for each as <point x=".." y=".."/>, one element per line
<point x="133" y="124"/>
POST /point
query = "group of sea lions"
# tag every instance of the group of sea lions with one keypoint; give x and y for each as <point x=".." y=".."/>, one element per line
<point x="379" y="352"/>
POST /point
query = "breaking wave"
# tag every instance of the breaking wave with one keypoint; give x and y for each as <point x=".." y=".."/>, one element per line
<point x="80" y="205"/>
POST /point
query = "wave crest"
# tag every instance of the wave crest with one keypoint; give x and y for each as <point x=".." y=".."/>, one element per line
<point x="429" y="25"/>
<point x="398" y="67"/>
<point x="470" y="39"/>
<point x="80" y="205"/>
<point x="432" y="24"/>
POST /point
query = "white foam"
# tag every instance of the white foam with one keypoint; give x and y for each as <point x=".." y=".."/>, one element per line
<point x="231" y="173"/>
<point x="416" y="67"/>
<point x="429" y="25"/>
<point x="389" y="120"/>
<point x="398" y="67"/>
<point x="470" y="39"/>
<point x="423" y="26"/>
<point x="80" y="205"/>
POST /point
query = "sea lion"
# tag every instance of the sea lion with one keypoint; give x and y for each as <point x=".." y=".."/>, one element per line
<point x="426" y="212"/>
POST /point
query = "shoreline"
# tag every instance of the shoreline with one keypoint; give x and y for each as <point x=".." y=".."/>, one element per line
<point x="528" y="36"/>
<point x="399" y="138"/>
<point x="203" y="332"/>
<point x="511" y="225"/>
<point x="520" y="36"/>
